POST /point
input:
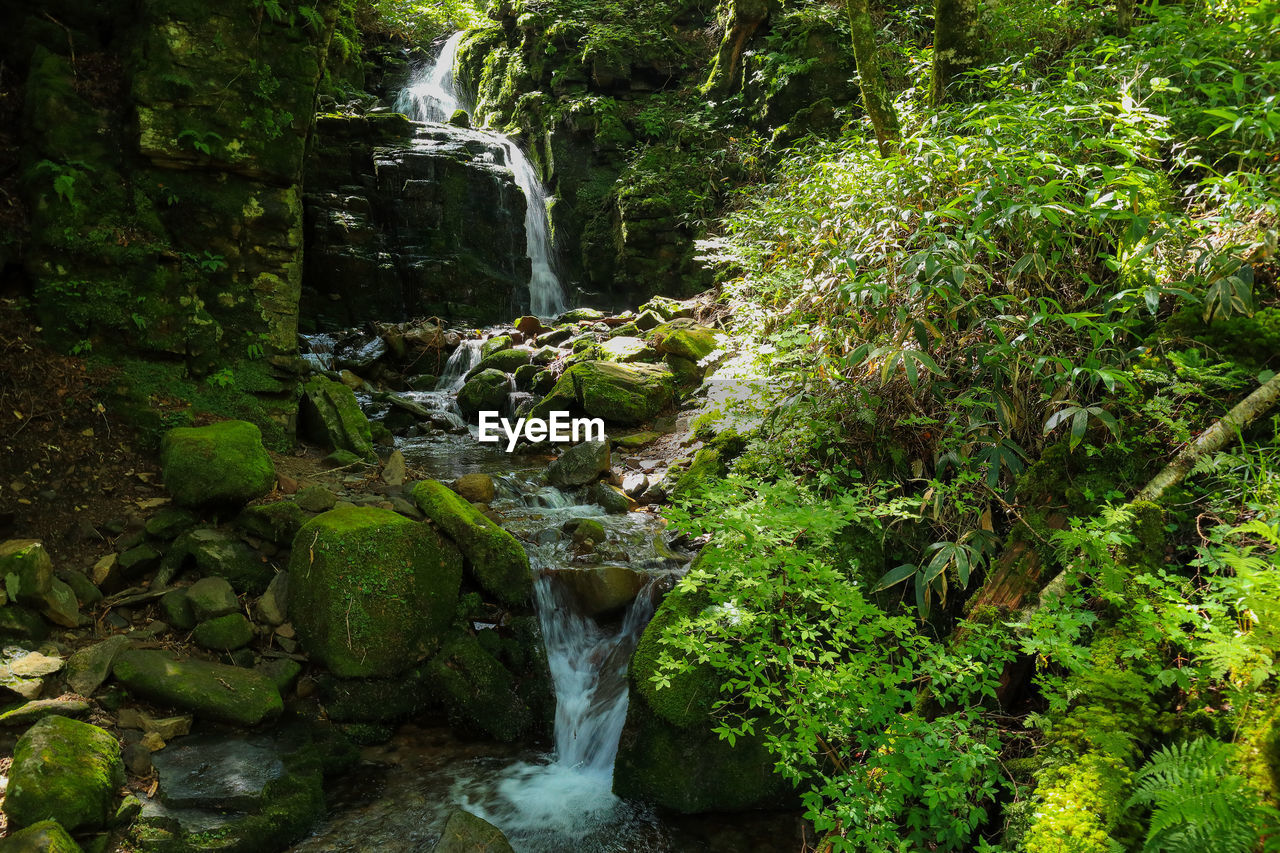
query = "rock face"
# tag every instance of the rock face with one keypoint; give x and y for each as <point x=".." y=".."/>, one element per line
<point x="64" y="770"/>
<point x="494" y="558"/>
<point x="228" y="694"/>
<point x="669" y="754"/>
<point x="623" y="394"/>
<point x="371" y="592"/>
<point x="410" y="221"/>
<point x="223" y="464"/>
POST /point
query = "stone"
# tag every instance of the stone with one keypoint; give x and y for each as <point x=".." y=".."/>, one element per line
<point x="139" y="560"/>
<point x="582" y="315"/>
<point x="61" y="605"/>
<point x="477" y="488"/>
<point x="36" y="710"/>
<point x="222" y="464"/>
<point x="137" y="759"/>
<point x="88" y="668"/>
<point x="176" y="607"/>
<point x="169" y="523"/>
<point x="626" y="349"/>
<point x="477" y="692"/>
<point x="20" y="623"/>
<point x="526" y="376"/>
<point x="613" y="499"/>
<point x="47" y="836"/>
<point x="166" y="728"/>
<point x="495" y="559"/>
<point x="316" y="498"/>
<point x="211" y="598"/>
<point x="507" y="361"/>
<point x="393" y="471"/>
<point x="343" y="459"/>
<point x="213" y="691"/>
<point x="555" y="337"/>
<point x="371" y="592"/>
<point x="225" y="633"/>
<point x="617" y="393"/>
<point x="275" y="522"/>
<point x="496" y="344"/>
<point x="486" y="391"/>
<point x="465" y="833"/>
<point x="64" y="770"/>
<point x="634" y="483"/>
<point x="216" y="772"/>
<point x="26" y="571"/>
<point x="283" y="672"/>
<point x="686" y="339"/>
<point x="221" y="554"/>
<point x="649" y="320"/>
<point x="273" y="607"/>
<point x="35" y="665"/>
<point x="331" y="417"/>
<point x="603" y="590"/>
<point x="529" y="326"/>
<point x="106" y="572"/>
<point x="85" y="592"/>
<point x="580" y="464"/>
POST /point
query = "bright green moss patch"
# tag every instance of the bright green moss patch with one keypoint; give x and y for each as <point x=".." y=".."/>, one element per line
<point x="64" y="770"/>
<point x="223" y="464"/>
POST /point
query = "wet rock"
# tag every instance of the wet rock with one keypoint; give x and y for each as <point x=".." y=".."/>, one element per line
<point x="496" y="344"/>
<point x="88" y="668"/>
<point x="613" y="499"/>
<point x="36" y="710"/>
<point x="176" y="607"/>
<point x="316" y="498"/>
<point x="494" y="557"/>
<point x="477" y="488"/>
<point x="394" y="470"/>
<point x="275" y="522"/>
<point x="212" y="597"/>
<point x="47" y="836"/>
<point x="272" y="608"/>
<point x="466" y="833"/>
<point x="224" y="634"/>
<point x="486" y="391"/>
<point x="476" y="691"/>
<point x="618" y="393"/>
<point x="603" y="590"/>
<point x="66" y="771"/>
<point x="216" y="772"/>
<point x="223" y="464"/>
<point x="371" y="591"/>
<point x="331" y="417"/>
<point x="507" y="361"/>
<point x="213" y="691"/>
<point x="581" y="464"/>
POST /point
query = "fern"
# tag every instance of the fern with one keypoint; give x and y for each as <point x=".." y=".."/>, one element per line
<point x="1197" y="802"/>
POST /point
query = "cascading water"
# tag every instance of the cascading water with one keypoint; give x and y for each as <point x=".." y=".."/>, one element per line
<point x="464" y="358"/>
<point x="432" y="97"/>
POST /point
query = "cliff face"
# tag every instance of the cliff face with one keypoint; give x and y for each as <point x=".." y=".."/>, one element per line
<point x="160" y="154"/>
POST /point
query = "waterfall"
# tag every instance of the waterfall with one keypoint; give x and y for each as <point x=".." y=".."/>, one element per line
<point x="464" y="358"/>
<point x="431" y="96"/>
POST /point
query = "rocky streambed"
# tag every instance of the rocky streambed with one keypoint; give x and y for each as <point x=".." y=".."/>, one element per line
<point x="260" y="630"/>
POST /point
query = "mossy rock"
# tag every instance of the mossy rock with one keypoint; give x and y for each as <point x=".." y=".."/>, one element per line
<point x="370" y="591"/>
<point x="375" y="700"/>
<point x="495" y="559"/>
<point x="47" y="836"/>
<point x="705" y="467"/>
<point x="330" y="416"/>
<point x="223" y="464"/>
<point x="228" y="694"/>
<point x="688" y="700"/>
<point x="686" y="339"/>
<point x="67" y="771"/>
<point x="277" y="522"/>
<point x="507" y="360"/>
<point x="495" y="345"/>
<point x="625" y="349"/>
<point x="224" y="634"/>
<point x="216" y="553"/>
<point x="465" y="833"/>
<point x="486" y="391"/>
<point x="618" y="393"/>
<point x="476" y="691"/>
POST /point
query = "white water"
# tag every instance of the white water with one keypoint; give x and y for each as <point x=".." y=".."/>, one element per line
<point x="464" y="358"/>
<point x="432" y="97"/>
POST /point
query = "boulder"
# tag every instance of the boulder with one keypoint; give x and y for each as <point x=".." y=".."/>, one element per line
<point x="582" y="315"/>
<point x="88" y="668"/>
<point x="224" y="634"/>
<point x="216" y="553"/>
<point x="316" y="498"/>
<point x="228" y="694"/>
<point x="485" y="392"/>
<point x="222" y="464"/>
<point x="477" y="488"/>
<point x="331" y="417"/>
<point x="169" y="522"/>
<point x="26" y="571"/>
<point x="613" y="499"/>
<point x="603" y="590"/>
<point x="177" y="611"/>
<point x="581" y="464"/>
<point x="626" y="349"/>
<point x="276" y="522"/>
<point x="64" y="770"/>
<point x="496" y="344"/>
<point x="507" y="360"/>
<point x="476" y="691"/>
<point x="273" y="607"/>
<point x="496" y="561"/>
<point x="212" y="597"/>
<point x="37" y="709"/>
<point x="686" y="339"/>
<point x="371" y="592"/>
<point x="47" y="836"/>
<point x="465" y="833"/>
<point x="619" y="393"/>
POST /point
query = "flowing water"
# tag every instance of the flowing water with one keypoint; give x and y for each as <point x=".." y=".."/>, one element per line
<point x="432" y="97"/>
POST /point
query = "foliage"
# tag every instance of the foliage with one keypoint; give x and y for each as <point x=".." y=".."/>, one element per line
<point x="422" y="22"/>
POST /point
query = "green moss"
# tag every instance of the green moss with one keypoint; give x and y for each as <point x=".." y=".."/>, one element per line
<point x="277" y="522"/>
<point x="47" y="836"/>
<point x="217" y="465"/>
<point x="686" y="339"/>
<point x="213" y="691"/>
<point x="494" y="557"/>
<point x="370" y="591"/>
<point x="66" y="771"/>
<point x="330" y="415"/>
<point x="689" y="698"/>
<point x="706" y="465"/>
<point x="224" y="634"/>
<point x="485" y="391"/>
<point x="619" y="393"/>
<point x="476" y="691"/>
<point x="507" y="361"/>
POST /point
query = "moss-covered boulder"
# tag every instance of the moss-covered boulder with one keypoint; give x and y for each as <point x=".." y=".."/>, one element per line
<point x="669" y="753"/>
<point x="465" y="833"/>
<point x="496" y="344"/>
<point x="619" y="393"/>
<point x="222" y="464"/>
<point x="64" y="770"/>
<point x="476" y="691"/>
<point x="275" y="522"/>
<point x="486" y="391"/>
<point x="686" y="339"/>
<point x="330" y="416"/>
<point x="507" y="360"/>
<point x="47" y="836"/>
<point x="224" y="634"/>
<point x="27" y="573"/>
<point x="495" y="559"/>
<point x="227" y="694"/>
<point x="580" y="464"/>
<point x="627" y="349"/>
<point x="371" y="592"/>
<point x="216" y="553"/>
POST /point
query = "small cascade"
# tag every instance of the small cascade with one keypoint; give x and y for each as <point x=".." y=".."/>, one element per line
<point x="464" y="358"/>
<point x="432" y="97"/>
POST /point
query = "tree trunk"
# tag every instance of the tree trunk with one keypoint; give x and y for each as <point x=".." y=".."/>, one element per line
<point x="955" y="42"/>
<point x="745" y="17"/>
<point x="1124" y="15"/>
<point x="875" y="95"/>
